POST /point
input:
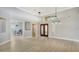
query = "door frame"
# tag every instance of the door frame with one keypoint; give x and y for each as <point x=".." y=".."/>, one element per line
<point x="44" y="29"/>
<point x="33" y="30"/>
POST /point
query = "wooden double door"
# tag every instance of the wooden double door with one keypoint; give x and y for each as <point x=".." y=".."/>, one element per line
<point x="44" y="30"/>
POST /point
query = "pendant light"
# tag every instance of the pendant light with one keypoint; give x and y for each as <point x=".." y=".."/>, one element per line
<point x="55" y="19"/>
<point x="39" y="13"/>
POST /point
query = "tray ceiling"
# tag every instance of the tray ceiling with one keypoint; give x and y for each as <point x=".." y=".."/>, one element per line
<point x="44" y="11"/>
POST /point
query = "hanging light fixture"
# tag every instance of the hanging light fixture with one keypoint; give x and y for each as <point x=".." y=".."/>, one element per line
<point x="39" y="13"/>
<point x="54" y="19"/>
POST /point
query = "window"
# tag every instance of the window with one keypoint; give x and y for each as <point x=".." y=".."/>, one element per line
<point x="27" y="26"/>
<point x="2" y="26"/>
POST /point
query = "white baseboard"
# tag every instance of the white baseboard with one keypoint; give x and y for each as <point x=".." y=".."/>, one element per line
<point x="4" y="42"/>
<point x="64" y="38"/>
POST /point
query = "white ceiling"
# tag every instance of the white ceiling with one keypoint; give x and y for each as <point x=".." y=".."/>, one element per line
<point x="45" y="11"/>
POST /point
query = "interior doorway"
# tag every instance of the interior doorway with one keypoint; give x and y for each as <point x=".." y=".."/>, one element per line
<point x="33" y="30"/>
<point x="18" y="29"/>
<point x="44" y="30"/>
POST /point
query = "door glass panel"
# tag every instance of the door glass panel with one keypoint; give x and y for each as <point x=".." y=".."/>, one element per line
<point x="45" y="29"/>
<point x="42" y="29"/>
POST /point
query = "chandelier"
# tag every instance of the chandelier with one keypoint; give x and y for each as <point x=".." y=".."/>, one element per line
<point x="54" y="19"/>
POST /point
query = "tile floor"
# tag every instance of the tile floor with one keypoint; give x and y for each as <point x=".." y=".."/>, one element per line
<point x="19" y="44"/>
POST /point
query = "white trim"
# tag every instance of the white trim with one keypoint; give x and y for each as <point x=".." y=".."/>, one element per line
<point x="64" y="38"/>
<point x="4" y="42"/>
